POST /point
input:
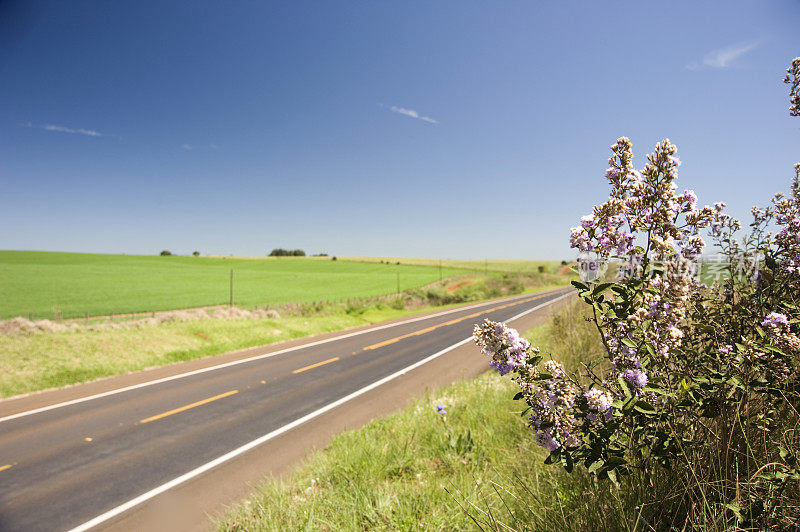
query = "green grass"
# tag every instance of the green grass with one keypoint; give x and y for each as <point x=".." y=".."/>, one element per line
<point x="48" y="360"/>
<point x="414" y="470"/>
<point x="46" y="284"/>
<point x="513" y="266"/>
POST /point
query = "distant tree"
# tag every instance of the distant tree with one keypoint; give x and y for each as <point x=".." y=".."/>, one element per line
<point x="333" y="258"/>
<point x="280" y="252"/>
<point x="563" y="263"/>
<point x="166" y="253"/>
<point x="320" y="255"/>
<point x="541" y="269"/>
<point x="195" y="253"/>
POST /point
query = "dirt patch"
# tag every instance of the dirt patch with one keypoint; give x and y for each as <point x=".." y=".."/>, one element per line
<point x="456" y="286"/>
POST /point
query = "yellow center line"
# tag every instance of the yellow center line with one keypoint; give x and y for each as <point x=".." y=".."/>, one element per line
<point x="187" y="407"/>
<point x="7" y="466"/>
<point x="312" y="366"/>
<point x="451" y="322"/>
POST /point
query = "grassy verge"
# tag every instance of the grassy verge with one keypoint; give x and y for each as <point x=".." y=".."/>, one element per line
<point x="476" y="467"/>
<point x="48" y="360"/>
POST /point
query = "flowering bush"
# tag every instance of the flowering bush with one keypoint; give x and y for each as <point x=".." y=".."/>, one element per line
<point x="699" y="379"/>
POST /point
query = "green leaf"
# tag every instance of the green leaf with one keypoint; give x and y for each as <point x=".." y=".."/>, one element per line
<point x="566" y="461"/>
<point x="601" y="288"/>
<point x="579" y="285"/>
<point x="783" y="453"/>
<point x="644" y="407"/>
<point x="650" y="350"/>
<point x="737" y="511"/>
<point x="597" y="464"/>
<point x="630" y="343"/>
<point x="624" y="385"/>
<point x="658" y="391"/>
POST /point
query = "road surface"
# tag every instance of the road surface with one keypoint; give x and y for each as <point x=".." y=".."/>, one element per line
<point x="92" y="455"/>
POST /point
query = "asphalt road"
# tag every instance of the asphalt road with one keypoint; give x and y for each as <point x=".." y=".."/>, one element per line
<point x="83" y="462"/>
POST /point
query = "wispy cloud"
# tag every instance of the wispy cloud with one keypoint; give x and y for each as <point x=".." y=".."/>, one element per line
<point x="410" y="112"/>
<point x="723" y="57"/>
<point x="63" y="129"/>
<point x="186" y="146"/>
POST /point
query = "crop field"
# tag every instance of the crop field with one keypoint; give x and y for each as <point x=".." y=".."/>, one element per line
<point x="512" y="266"/>
<point x="49" y="284"/>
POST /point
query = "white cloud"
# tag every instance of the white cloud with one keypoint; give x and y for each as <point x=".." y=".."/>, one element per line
<point x="723" y="57"/>
<point x="186" y="146"/>
<point x="412" y="113"/>
<point x="63" y="129"/>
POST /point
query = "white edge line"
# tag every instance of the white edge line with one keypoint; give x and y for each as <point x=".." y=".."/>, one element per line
<point x="245" y="360"/>
<point x="277" y="432"/>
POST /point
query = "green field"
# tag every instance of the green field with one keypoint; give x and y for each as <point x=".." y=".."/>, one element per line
<point x="491" y="265"/>
<point x="44" y="284"/>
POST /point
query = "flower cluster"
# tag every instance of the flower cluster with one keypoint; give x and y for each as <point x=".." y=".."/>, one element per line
<point x="599" y="402"/>
<point x="691" y="370"/>
<point x="550" y="394"/>
<point x="503" y="344"/>
<point x="787" y="215"/>
<point x="793" y="79"/>
<point x="645" y="202"/>
<point x="552" y="402"/>
<point x="775" y="321"/>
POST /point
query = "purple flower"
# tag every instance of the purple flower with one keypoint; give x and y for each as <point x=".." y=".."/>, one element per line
<point x="598" y="400"/>
<point x="546" y="440"/>
<point x="440" y="409"/>
<point x="501" y="367"/>
<point x="637" y="377"/>
<point x="775" y="319"/>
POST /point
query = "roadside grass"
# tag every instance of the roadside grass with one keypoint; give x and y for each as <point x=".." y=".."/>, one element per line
<point x="55" y="285"/>
<point x="478" y="467"/>
<point x="48" y="360"/>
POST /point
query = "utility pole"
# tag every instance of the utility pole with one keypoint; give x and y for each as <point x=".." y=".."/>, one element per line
<point x="231" y="287"/>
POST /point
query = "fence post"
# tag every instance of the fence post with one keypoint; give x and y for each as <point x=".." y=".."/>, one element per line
<point x="398" y="283"/>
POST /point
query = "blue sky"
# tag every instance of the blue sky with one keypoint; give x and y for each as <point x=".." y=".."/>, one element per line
<point x="435" y="129"/>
